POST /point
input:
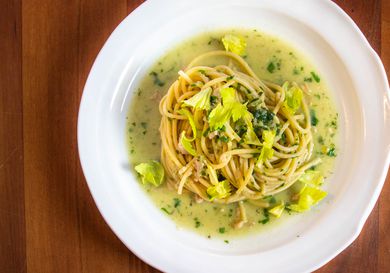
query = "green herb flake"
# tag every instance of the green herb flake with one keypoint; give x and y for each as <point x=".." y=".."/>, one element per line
<point x="156" y="79"/>
<point x="266" y="217"/>
<point x="333" y="124"/>
<point x="331" y="152"/>
<point x="308" y="79"/>
<point x="144" y="125"/>
<point x="206" y="132"/>
<point x="176" y="202"/>
<point x="283" y="139"/>
<point x="167" y="211"/>
<point x="313" y="117"/>
<point x="270" y="199"/>
<point x="224" y="139"/>
<point x="213" y="100"/>
<point x="226" y="241"/>
<point x="221" y="230"/>
<point x="271" y="67"/>
<point x="315" y="76"/>
<point x="197" y="222"/>
<point x="296" y="71"/>
<point x="320" y="140"/>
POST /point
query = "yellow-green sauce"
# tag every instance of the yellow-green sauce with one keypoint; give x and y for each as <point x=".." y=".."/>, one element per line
<point x="272" y="59"/>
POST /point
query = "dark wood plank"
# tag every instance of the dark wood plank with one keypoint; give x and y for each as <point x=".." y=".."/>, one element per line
<point x="50" y="103"/>
<point x="101" y="251"/>
<point x="384" y="224"/>
<point x="133" y="4"/>
<point x="385" y="54"/>
<point x="12" y="225"/>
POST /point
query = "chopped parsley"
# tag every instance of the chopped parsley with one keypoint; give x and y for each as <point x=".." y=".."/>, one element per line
<point x="265" y="220"/>
<point x="156" y="79"/>
<point x="315" y="76"/>
<point x="167" y="211"/>
<point x="271" y="67"/>
<point x="313" y="117"/>
<point x="264" y="115"/>
<point x="283" y="139"/>
<point x="206" y="132"/>
<point x="320" y="140"/>
<point x="224" y="139"/>
<point x="333" y="124"/>
<point x="270" y="199"/>
<point x="144" y="125"/>
<point x="331" y="152"/>
<point x="221" y="230"/>
<point x="176" y="202"/>
<point x="296" y="71"/>
<point x="197" y="222"/>
<point x="213" y="100"/>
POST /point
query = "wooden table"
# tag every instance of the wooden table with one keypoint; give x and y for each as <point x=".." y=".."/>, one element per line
<point x="48" y="220"/>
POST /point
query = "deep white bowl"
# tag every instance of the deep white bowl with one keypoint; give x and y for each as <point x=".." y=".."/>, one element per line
<point x="356" y="79"/>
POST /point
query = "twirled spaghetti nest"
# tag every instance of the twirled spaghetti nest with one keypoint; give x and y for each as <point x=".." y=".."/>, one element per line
<point x="223" y="154"/>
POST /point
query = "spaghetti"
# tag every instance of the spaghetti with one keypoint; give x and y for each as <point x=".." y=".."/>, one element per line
<point x="262" y="147"/>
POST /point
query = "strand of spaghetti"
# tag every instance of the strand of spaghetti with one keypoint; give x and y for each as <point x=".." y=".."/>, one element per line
<point x="183" y="180"/>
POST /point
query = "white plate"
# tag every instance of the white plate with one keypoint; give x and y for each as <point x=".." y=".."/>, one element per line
<point x="355" y="76"/>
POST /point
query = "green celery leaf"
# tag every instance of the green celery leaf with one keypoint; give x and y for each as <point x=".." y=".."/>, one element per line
<point x="219" y="116"/>
<point x="308" y="197"/>
<point x="219" y="191"/>
<point x="186" y="143"/>
<point x="266" y="151"/>
<point x="312" y="178"/>
<point x="293" y="99"/>
<point x="251" y="137"/>
<point x="234" y="44"/>
<point x="200" y="100"/>
<point x="191" y="120"/>
<point x="277" y="210"/>
<point x="151" y="172"/>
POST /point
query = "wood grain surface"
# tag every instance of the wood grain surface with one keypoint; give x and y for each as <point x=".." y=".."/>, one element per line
<point x="48" y="220"/>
